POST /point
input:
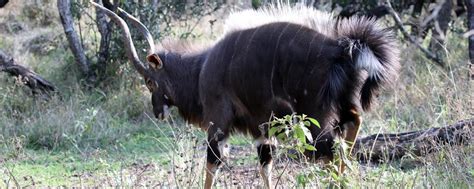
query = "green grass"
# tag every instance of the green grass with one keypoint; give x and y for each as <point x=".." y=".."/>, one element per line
<point x="79" y="166"/>
<point x="123" y="167"/>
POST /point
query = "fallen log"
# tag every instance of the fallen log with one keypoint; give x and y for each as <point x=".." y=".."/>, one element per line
<point x="385" y="147"/>
<point x="36" y="83"/>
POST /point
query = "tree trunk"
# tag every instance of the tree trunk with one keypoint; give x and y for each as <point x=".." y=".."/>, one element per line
<point x="104" y="28"/>
<point x="384" y="147"/>
<point x="64" y="7"/>
<point x="440" y="28"/>
<point x="36" y="83"/>
<point x="470" y="20"/>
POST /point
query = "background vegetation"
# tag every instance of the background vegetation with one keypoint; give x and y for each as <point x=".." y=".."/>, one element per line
<point x="101" y="132"/>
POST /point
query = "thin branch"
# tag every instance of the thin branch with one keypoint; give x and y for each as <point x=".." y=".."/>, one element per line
<point x="281" y="174"/>
<point x="430" y="55"/>
<point x="468" y="34"/>
<point x="10" y="174"/>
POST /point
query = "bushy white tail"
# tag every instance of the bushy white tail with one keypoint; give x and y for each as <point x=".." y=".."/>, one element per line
<point x="373" y="49"/>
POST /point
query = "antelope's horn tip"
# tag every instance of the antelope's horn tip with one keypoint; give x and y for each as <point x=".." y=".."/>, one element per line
<point x="94" y="3"/>
<point x="121" y="10"/>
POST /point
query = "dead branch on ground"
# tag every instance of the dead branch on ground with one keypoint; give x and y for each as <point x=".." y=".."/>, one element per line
<point x="36" y="83"/>
<point x="383" y="147"/>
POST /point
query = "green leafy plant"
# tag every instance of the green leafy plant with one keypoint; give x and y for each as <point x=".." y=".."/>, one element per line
<point x="294" y="135"/>
<point x="293" y="132"/>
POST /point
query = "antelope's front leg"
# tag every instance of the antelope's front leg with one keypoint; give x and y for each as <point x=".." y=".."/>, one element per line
<point x="351" y="130"/>
<point x="217" y="152"/>
<point x="265" y="149"/>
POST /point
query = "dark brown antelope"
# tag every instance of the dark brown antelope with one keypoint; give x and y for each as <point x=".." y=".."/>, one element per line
<point x="275" y="61"/>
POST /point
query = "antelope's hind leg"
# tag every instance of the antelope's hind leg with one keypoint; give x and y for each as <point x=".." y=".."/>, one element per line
<point x="351" y="124"/>
<point x="352" y="129"/>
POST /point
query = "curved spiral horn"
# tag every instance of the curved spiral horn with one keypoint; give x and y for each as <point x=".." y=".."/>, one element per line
<point x="141" y="27"/>
<point x="126" y="36"/>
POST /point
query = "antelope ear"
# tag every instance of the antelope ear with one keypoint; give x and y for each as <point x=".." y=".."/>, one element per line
<point x="154" y="61"/>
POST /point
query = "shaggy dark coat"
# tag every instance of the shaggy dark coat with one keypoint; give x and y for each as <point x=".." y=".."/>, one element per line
<point x="281" y="61"/>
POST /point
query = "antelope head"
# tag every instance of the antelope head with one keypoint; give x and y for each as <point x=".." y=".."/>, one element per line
<point x="156" y="79"/>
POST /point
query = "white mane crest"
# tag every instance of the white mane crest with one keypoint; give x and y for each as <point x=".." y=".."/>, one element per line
<point x="321" y="22"/>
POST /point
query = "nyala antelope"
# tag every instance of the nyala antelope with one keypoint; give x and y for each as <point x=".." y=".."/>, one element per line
<point x="277" y="60"/>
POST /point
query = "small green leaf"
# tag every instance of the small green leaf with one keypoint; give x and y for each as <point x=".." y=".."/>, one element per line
<point x="282" y="136"/>
<point x="300" y="135"/>
<point x="314" y="121"/>
<point x="293" y="156"/>
<point x="300" y="149"/>
<point x="301" y="180"/>
<point x="272" y="131"/>
<point x="310" y="147"/>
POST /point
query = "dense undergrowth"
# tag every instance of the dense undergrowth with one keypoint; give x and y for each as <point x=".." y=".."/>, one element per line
<point x="105" y="135"/>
